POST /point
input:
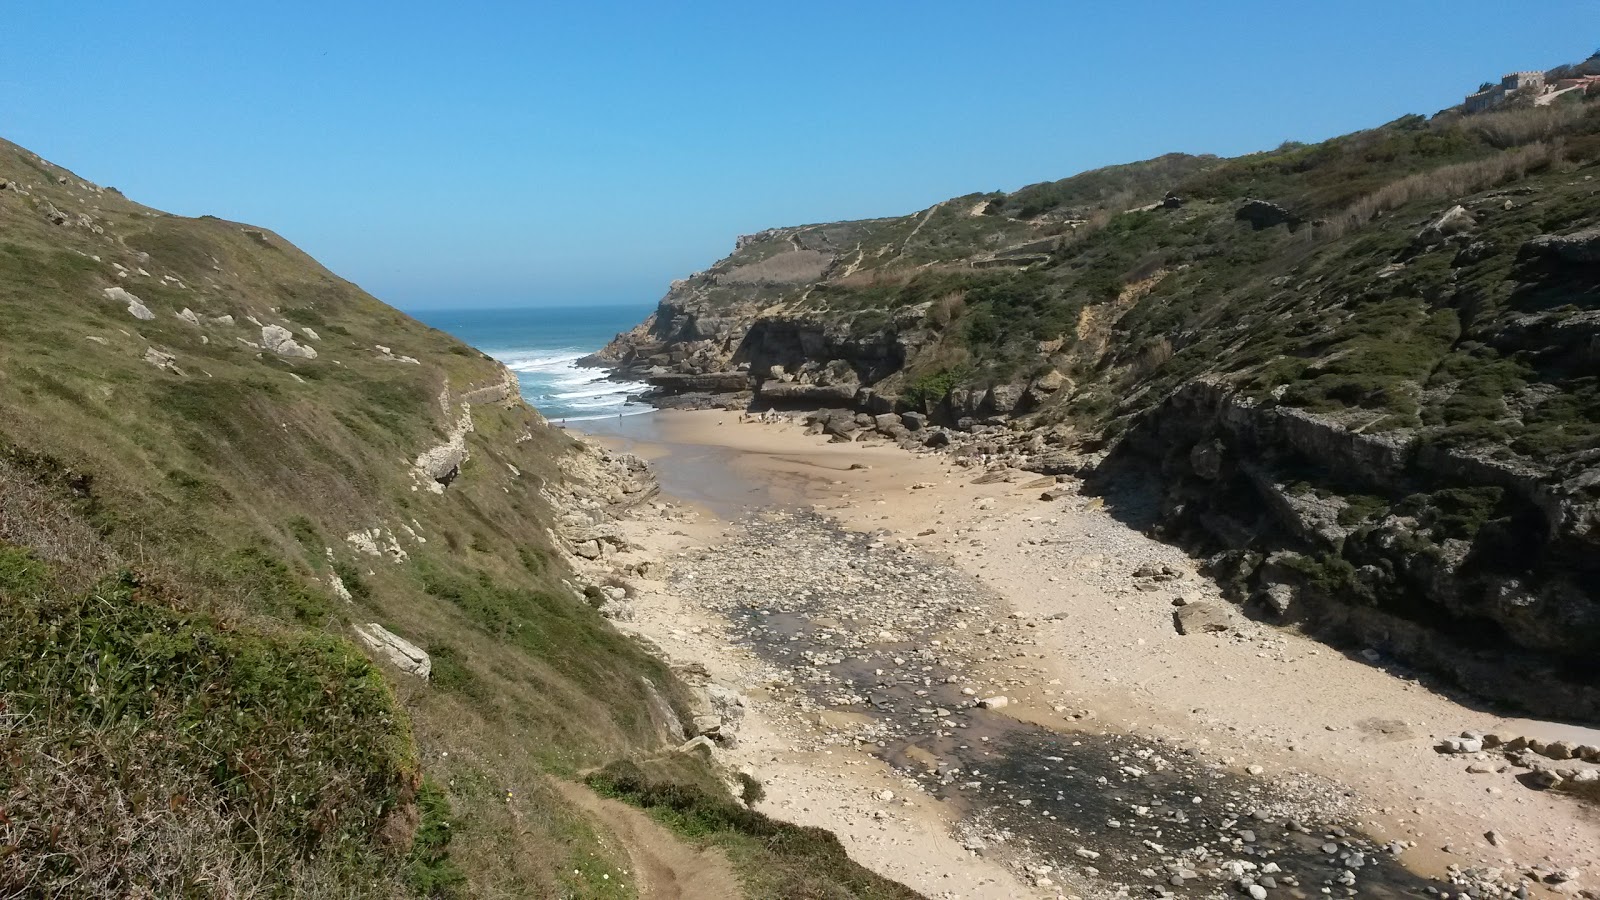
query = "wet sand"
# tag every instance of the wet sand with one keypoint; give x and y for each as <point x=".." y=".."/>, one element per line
<point x="1108" y="658"/>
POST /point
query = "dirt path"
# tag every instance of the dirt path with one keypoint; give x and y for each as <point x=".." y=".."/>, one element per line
<point x="664" y="867"/>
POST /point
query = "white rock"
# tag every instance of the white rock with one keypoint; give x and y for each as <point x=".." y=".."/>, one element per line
<point x="281" y="341"/>
<point x="405" y="655"/>
<point x="136" y="307"/>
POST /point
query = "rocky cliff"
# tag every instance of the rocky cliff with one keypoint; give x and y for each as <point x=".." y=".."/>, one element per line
<point x="1359" y="375"/>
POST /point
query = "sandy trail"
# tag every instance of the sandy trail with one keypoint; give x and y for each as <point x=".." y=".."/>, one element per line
<point x="664" y="867"/>
<point x="1104" y="654"/>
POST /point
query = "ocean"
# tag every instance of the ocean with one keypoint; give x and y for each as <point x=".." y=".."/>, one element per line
<point x="541" y="344"/>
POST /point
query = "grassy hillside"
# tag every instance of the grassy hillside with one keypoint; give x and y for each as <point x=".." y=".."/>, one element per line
<point x="216" y="458"/>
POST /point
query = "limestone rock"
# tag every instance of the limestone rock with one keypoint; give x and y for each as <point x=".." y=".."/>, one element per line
<point x="1200" y="618"/>
<point x="1456" y="221"/>
<point x="699" y="744"/>
<point x="281" y="341"/>
<point x="136" y="307"/>
<point x="1051" y="381"/>
<point x="1005" y="398"/>
<point x="161" y="360"/>
<point x="406" y="656"/>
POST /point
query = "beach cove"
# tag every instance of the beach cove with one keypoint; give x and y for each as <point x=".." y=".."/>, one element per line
<point x="983" y="693"/>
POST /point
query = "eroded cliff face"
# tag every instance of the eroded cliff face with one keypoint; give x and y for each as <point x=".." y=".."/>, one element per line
<point x="1361" y="375"/>
<point x="1443" y="558"/>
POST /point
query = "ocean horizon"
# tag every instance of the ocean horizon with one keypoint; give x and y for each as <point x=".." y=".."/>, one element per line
<point x="542" y="345"/>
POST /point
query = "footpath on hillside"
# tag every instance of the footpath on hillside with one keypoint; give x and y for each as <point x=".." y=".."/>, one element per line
<point x="988" y="694"/>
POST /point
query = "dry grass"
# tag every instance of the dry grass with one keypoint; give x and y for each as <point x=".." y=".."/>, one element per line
<point x="1510" y="128"/>
<point x="948" y="308"/>
<point x="791" y="267"/>
<point x="1445" y="183"/>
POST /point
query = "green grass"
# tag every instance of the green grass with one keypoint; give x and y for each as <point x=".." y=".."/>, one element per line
<point x="773" y="858"/>
<point x="290" y="740"/>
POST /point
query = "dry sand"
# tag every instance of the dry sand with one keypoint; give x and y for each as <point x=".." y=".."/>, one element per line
<point x="1112" y="660"/>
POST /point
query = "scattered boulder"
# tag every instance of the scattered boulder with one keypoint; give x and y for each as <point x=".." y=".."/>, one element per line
<point x="1051" y="381"/>
<point x="1455" y="221"/>
<point x="162" y="360"/>
<point x="405" y="656"/>
<point x="699" y="744"/>
<point x="1278" y="598"/>
<point x="1200" y="618"/>
<point x="136" y="307"/>
<point x="281" y="341"/>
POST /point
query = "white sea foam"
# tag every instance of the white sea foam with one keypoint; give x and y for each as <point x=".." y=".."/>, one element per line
<point x="552" y="381"/>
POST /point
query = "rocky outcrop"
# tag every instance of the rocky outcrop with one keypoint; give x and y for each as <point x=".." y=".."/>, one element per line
<point x="438" y="466"/>
<point x="1581" y="247"/>
<point x="1496" y="591"/>
<point x="1265" y="214"/>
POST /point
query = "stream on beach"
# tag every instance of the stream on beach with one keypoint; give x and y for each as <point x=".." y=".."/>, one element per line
<point x="875" y="646"/>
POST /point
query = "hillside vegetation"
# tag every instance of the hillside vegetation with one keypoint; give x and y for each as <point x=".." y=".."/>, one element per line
<point x="217" y="459"/>
<point x="1362" y="373"/>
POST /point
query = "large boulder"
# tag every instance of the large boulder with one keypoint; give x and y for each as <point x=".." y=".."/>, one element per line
<point x="1006" y="398"/>
<point x="405" y="656"/>
<point x="280" y="340"/>
<point x="1457" y="220"/>
<point x="1200" y="618"/>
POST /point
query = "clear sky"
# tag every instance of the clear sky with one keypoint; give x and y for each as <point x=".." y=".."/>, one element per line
<point x="474" y="153"/>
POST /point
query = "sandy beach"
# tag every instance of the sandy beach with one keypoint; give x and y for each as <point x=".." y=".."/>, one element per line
<point x="1092" y="650"/>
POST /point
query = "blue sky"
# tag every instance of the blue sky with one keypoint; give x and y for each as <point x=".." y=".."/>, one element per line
<point x="477" y="153"/>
